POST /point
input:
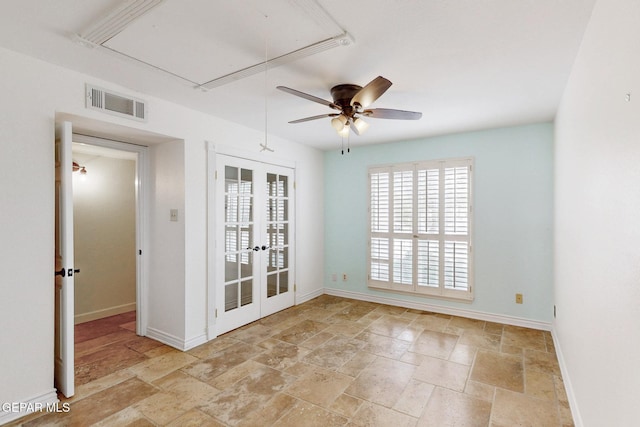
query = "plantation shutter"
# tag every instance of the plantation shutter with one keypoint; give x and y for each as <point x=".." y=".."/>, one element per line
<point x="420" y="228"/>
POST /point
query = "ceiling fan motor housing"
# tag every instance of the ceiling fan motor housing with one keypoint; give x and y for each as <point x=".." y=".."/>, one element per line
<point x="342" y="95"/>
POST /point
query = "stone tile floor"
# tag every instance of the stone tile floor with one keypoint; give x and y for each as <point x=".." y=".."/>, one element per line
<point x="327" y="362"/>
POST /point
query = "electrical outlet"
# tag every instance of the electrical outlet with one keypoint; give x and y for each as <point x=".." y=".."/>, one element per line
<point x="518" y="298"/>
<point x="344" y="277"/>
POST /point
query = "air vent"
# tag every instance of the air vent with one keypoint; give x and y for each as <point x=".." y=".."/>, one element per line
<point x="115" y="103"/>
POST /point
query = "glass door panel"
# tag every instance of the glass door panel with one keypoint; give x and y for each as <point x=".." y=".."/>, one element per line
<point x="238" y="236"/>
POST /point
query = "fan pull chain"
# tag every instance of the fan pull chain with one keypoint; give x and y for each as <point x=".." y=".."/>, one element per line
<point x="348" y="144"/>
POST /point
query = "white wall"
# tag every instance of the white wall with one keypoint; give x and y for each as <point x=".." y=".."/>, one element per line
<point x="104" y="217"/>
<point x="26" y="233"/>
<point x="597" y="221"/>
<point x="166" y="293"/>
<point x="33" y="93"/>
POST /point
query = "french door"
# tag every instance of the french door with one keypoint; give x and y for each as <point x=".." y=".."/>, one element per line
<point x="254" y="241"/>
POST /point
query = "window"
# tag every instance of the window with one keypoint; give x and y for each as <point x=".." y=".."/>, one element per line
<point x="420" y="228"/>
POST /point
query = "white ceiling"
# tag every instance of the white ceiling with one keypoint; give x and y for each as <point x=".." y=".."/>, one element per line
<point x="465" y="64"/>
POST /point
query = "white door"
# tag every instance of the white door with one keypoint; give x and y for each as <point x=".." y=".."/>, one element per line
<point x="64" y="271"/>
<point x="276" y="291"/>
<point x="254" y="223"/>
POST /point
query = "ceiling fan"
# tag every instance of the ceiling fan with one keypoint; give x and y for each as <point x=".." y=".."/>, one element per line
<point x="351" y="103"/>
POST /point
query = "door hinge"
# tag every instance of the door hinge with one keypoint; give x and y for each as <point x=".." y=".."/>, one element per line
<point x="294" y="185"/>
<point x="216" y="313"/>
<point x="295" y="287"/>
<point x="216" y="175"/>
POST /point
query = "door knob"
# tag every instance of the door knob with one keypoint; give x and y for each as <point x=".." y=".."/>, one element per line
<point x="62" y="272"/>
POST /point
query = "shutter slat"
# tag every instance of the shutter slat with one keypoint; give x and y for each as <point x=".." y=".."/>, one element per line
<point x="380" y="202"/>
<point x="428" y="201"/>
<point x="456" y="265"/>
<point x="456" y="200"/>
<point x="403" y="202"/>
<point x="379" y="259"/>
<point x="403" y="261"/>
<point x="428" y="263"/>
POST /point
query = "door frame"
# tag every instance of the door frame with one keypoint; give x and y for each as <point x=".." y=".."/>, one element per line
<point x="142" y="180"/>
<point x="212" y="151"/>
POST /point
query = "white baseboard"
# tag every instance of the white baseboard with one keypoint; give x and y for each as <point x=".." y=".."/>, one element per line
<point x="453" y="311"/>
<point x="105" y="312"/>
<point x="39" y="402"/>
<point x="308" y="297"/>
<point x="195" y="341"/>
<point x="176" y="342"/>
<point x="165" y="338"/>
<point x="573" y="403"/>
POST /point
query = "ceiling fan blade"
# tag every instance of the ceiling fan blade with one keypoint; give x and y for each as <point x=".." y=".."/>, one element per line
<point x="386" y="113"/>
<point x="321" y="116"/>
<point x="372" y="91"/>
<point x="308" y="97"/>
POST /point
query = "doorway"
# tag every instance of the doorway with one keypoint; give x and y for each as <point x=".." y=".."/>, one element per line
<point x="65" y="264"/>
<point x="254" y="219"/>
<point x="116" y="158"/>
<point x="104" y="205"/>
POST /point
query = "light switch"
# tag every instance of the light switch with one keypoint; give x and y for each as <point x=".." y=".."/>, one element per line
<point x="173" y="215"/>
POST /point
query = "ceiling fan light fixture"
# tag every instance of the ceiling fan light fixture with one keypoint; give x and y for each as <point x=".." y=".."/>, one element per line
<point x="339" y="123"/>
<point x="360" y="125"/>
<point x="344" y="132"/>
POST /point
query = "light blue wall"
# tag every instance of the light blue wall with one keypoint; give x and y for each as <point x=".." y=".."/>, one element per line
<point x="513" y="205"/>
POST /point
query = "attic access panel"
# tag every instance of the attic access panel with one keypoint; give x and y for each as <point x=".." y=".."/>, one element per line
<point x="201" y="40"/>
